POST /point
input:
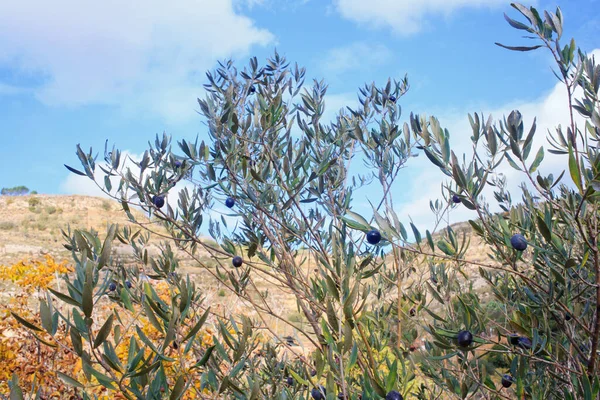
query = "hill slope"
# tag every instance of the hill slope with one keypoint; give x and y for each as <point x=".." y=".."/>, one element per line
<point x="30" y="226"/>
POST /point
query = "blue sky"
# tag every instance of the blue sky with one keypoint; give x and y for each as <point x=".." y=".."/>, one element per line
<point x="83" y="72"/>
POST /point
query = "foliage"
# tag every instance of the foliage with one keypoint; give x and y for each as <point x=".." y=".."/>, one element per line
<point x="14" y="191"/>
<point x="106" y="205"/>
<point x="7" y="225"/>
<point x="551" y="291"/>
<point x="366" y="302"/>
<point x="51" y="210"/>
<point x="22" y="354"/>
<point x="44" y="361"/>
<point x="34" y="274"/>
<point x="33" y="202"/>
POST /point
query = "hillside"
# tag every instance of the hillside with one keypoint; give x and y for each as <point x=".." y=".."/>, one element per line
<point x="30" y="226"/>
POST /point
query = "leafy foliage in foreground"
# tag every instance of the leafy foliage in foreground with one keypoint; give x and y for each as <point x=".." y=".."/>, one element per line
<point x="363" y="299"/>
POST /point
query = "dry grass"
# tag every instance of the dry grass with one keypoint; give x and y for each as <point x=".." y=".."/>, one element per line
<point x="31" y="226"/>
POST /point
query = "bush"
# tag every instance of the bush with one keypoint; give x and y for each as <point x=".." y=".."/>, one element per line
<point x="40" y="226"/>
<point x="23" y="356"/>
<point x="50" y="210"/>
<point x="14" y="191"/>
<point x="7" y="225"/>
<point x="33" y="202"/>
<point x="106" y="205"/>
<point x="367" y="290"/>
<point x="296" y="317"/>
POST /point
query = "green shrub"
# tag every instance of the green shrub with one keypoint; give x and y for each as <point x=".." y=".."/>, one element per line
<point x="14" y="191"/>
<point x="296" y="317"/>
<point x="50" y="210"/>
<point x="40" y="226"/>
<point x="7" y="225"/>
<point x="33" y="202"/>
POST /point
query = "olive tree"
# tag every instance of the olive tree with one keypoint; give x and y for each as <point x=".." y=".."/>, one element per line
<point x="544" y="267"/>
<point x="283" y="172"/>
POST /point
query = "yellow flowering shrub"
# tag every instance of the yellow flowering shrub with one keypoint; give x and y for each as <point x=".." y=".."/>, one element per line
<point x="36" y="363"/>
<point x="34" y="274"/>
<point x="20" y="352"/>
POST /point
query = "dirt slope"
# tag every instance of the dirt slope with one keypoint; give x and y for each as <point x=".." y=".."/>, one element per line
<point x="30" y="226"/>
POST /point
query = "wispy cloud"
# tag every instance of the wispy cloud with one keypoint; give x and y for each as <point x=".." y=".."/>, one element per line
<point x="10" y="90"/>
<point x="335" y="102"/>
<point x="271" y="4"/>
<point x="355" y="56"/>
<point x="77" y="184"/>
<point x="403" y="16"/>
<point x="142" y="56"/>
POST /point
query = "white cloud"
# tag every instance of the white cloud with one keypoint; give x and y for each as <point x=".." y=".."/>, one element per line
<point x="249" y="3"/>
<point x="336" y="102"/>
<point x="271" y="4"/>
<point x="82" y="185"/>
<point x="355" y="56"/>
<point x="77" y="184"/>
<point x="403" y="16"/>
<point x="146" y="56"/>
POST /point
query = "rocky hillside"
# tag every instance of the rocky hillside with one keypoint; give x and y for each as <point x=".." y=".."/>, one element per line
<point x="30" y="226"/>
